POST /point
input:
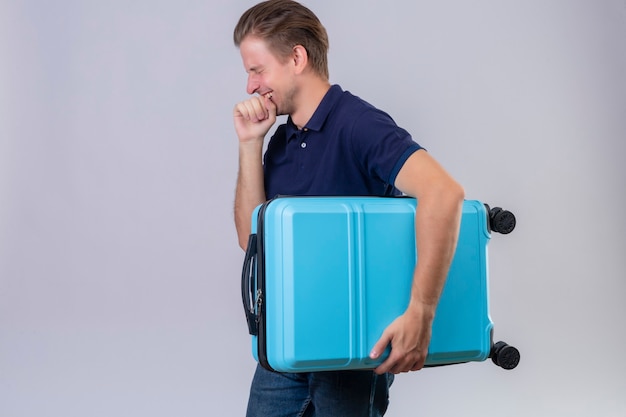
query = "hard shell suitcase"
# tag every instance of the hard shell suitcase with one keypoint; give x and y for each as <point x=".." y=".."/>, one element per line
<point x="324" y="276"/>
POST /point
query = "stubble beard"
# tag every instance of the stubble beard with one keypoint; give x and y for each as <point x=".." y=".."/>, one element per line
<point x="287" y="105"/>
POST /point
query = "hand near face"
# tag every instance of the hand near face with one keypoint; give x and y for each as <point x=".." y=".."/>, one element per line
<point x="254" y="118"/>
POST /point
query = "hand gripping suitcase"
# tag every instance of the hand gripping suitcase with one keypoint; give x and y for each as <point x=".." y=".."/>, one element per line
<point x="324" y="276"/>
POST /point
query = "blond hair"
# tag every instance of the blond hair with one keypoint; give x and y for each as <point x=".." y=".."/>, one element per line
<point x="283" y="24"/>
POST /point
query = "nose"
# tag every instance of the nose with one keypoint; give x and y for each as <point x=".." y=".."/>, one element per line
<point x="253" y="84"/>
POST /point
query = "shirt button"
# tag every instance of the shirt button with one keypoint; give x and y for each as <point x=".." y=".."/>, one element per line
<point x="303" y="145"/>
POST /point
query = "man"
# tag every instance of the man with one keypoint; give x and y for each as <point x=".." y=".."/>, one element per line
<point x="334" y="144"/>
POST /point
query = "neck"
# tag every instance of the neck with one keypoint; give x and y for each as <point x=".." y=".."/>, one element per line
<point x="310" y="95"/>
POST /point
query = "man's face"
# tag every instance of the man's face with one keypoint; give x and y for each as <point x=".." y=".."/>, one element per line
<point x="268" y="75"/>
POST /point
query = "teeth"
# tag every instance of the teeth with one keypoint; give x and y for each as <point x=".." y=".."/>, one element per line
<point x="268" y="96"/>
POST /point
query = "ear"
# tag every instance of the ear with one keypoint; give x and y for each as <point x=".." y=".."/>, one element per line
<point x="300" y="58"/>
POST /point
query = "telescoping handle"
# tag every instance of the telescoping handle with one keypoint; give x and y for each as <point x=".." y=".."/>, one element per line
<point x="248" y="291"/>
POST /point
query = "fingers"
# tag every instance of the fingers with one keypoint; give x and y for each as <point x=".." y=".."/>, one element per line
<point x="389" y="365"/>
<point x="380" y="346"/>
<point x="253" y="118"/>
<point x="409" y="347"/>
<point x="253" y="110"/>
<point x="399" y="363"/>
<point x="270" y="106"/>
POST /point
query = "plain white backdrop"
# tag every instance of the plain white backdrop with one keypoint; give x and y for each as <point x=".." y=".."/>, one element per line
<point x="119" y="266"/>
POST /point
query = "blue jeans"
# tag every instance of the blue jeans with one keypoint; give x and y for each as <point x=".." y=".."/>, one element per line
<point x="319" y="394"/>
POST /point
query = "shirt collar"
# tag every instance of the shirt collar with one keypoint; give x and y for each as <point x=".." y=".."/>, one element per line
<point x="316" y="123"/>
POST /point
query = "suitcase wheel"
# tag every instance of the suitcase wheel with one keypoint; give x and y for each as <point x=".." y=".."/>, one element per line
<point x="501" y="221"/>
<point x="504" y="355"/>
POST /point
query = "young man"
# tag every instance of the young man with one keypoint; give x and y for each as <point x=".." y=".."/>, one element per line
<point x="334" y="144"/>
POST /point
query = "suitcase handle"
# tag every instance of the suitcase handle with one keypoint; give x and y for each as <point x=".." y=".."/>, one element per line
<point x="247" y="285"/>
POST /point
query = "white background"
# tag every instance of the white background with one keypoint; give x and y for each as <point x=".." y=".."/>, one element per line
<point x="119" y="267"/>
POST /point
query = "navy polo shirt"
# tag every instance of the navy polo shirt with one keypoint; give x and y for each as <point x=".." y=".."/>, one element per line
<point x="349" y="147"/>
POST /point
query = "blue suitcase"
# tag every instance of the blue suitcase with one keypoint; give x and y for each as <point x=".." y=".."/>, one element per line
<point x="324" y="276"/>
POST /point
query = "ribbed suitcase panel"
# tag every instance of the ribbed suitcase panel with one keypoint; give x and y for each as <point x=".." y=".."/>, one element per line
<point x="339" y="270"/>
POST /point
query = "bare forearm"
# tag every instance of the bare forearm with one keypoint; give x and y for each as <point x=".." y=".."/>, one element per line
<point x="253" y="118"/>
<point x="250" y="191"/>
<point x="437" y="223"/>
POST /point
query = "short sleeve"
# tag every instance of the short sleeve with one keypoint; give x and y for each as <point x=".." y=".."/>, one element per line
<point x="380" y="145"/>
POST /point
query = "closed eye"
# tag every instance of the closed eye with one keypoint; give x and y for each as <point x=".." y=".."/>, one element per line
<point x="255" y="70"/>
